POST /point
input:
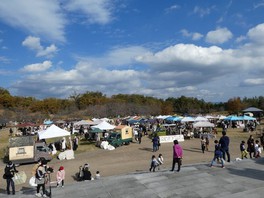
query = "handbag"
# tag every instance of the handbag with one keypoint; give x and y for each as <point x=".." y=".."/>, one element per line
<point x="4" y="176"/>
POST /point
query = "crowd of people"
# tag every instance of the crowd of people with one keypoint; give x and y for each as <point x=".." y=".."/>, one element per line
<point x="251" y="148"/>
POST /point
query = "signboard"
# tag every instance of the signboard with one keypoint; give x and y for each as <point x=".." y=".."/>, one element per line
<point x="171" y="138"/>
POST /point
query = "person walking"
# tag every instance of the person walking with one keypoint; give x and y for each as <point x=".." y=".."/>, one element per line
<point x="224" y="143"/>
<point x="10" y="170"/>
<point x="177" y="155"/>
<point x="160" y="160"/>
<point x="218" y="154"/>
<point x="153" y="164"/>
<point x="243" y="150"/>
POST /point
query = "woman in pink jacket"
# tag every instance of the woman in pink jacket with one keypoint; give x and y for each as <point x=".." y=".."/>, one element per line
<point x="177" y="155"/>
<point x="60" y="176"/>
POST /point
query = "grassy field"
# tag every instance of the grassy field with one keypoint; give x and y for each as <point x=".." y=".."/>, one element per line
<point x="236" y="135"/>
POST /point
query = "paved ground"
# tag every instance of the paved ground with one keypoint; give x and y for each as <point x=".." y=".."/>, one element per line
<point x="239" y="179"/>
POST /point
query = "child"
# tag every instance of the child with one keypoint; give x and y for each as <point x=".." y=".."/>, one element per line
<point x="218" y="154"/>
<point x="80" y="174"/>
<point x="160" y="160"/>
<point x="257" y="149"/>
<point x="243" y="150"/>
<point x="60" y="176"/>
<point x="154" y="163"/>
<point x="97" y="175"/>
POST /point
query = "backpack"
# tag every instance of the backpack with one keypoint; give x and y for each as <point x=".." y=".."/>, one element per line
<point x="8" y="173"/>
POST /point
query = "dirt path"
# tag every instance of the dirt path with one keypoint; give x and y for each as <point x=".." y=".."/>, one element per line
<point x="131" y="158"/>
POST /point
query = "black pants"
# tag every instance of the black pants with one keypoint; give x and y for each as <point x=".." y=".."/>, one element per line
<point x="178" y="161"/>
<point x="43" y="188"/>
<point x="226" y="152"/>
<point x="8" y="183"/>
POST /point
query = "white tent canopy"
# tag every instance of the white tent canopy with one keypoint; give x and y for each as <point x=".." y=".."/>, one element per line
<point x="200" y="119"/>
<point x="203" y="124"/>
<point x="104" y="126"/>
<point x="187" y="119"/>
<point x="83" y="122"/>
<point x="52" y="132"/>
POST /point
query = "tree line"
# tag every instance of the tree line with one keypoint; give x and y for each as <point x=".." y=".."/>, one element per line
<point x="97" y="104"/>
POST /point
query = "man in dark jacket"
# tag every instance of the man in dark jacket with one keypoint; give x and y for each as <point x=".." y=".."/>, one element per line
<point x="10" y="170"/>
<point x="224" y="142"/>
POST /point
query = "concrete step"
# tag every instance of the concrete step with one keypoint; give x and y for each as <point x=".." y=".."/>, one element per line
<point x="238" y="179"/>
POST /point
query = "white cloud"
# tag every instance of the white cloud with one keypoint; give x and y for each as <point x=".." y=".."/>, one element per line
<point x="211" y="73"/>
<point x="37" y="67"/>
<point x="172" y="8"/>
<point x="96" y="11"/>
<point x="33" y="43"/>
<point x="256" y="34"/>
<point x="201" y="11"/>
<point x="4" y="59"/>
<point x="218" y="36"/>
<point x="117" y="57"/>
<point x="194" y="35"/>
<point x="257" y="81"/>
<point x="240" y="39"/>
<point x="42" y="17"/>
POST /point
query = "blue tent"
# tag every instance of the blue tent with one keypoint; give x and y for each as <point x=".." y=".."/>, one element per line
<point x="173" y="119"/>
<point x="233" y="118"/>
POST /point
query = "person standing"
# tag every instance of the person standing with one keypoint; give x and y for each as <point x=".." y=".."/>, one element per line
<point x="139" y="137"/>
<point x="207" y="143"/>
<point x="60" y="176"/>
<point x="155" y="142"/>
<point x="177" y="155"/>
<point x="251" y="146"/>
<point x="203" y="144"/>
<point x="10" y="170"/>
<point x="40" y="180"/>
<point x="224" y="143"/>
<point x="75" y="143"/>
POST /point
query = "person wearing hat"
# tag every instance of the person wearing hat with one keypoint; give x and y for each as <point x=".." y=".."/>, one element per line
<point x="60" y="176"/>
<point x="10" y="170"/>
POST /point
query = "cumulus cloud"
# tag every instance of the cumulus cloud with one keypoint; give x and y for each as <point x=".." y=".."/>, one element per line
<point x="43" y="18"/>
<point x="194" y="35"/>
<point x="256" y="34"/>
<point x="181" y="69"/>
<point x="37" y="67"/>
<point x="33" y="43"/>
<point x="96" y="11"/>
<point x="218" y="36"/>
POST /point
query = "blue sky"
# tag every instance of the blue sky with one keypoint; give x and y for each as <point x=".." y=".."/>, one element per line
<point x="208" y="49"/>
